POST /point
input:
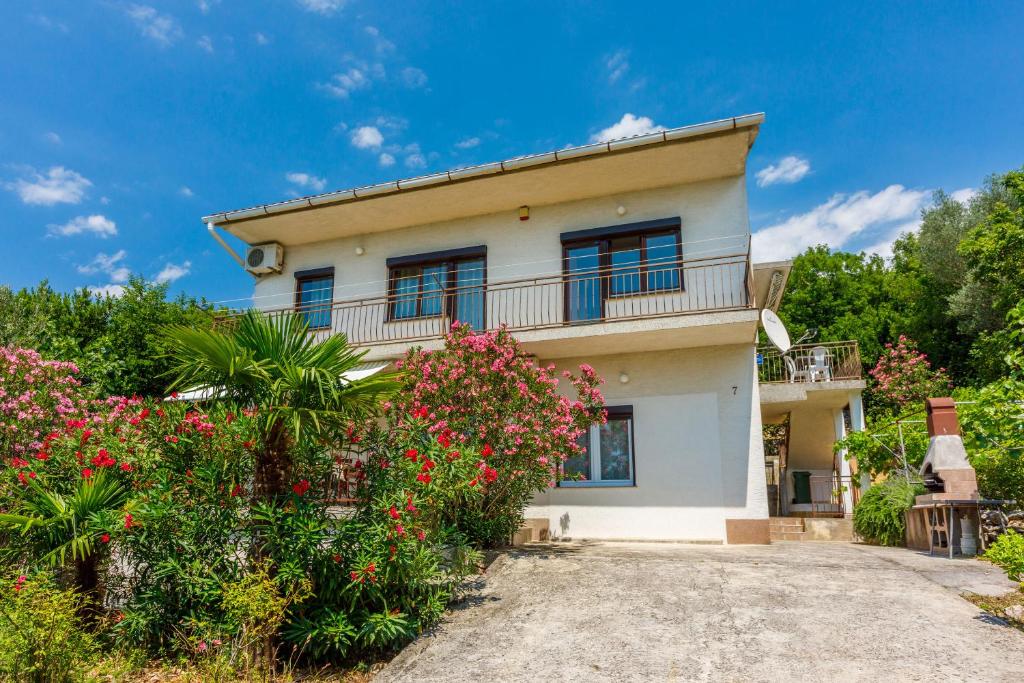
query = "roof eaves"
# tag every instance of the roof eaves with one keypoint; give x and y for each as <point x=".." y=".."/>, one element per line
<point x="514" y="164"/>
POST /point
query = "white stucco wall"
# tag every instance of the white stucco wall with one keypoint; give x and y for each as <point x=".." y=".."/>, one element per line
<point x="699" y="457"/>
<point x="709" y="210"/>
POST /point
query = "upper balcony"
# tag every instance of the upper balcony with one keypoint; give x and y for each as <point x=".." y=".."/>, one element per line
<point x="586" y="310"/>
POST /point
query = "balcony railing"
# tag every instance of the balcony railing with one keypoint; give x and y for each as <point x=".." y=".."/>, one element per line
<point x="824" y="362"/>
<point x="676" y="288"/>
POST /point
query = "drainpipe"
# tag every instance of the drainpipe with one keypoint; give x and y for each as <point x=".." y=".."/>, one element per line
<point x="212" y="229"/>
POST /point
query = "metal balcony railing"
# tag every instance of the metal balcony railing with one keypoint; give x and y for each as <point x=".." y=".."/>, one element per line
<point x="823" y="362"/>
<point x="601" y="295"/>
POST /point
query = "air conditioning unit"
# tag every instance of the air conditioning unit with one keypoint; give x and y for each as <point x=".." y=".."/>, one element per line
<point x="264" y="258"/>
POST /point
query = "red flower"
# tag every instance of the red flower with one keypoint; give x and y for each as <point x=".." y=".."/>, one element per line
<point x="428" y="464"/>
<point x="105" y="538"/>
<point x="423" y="477"/>
<point x="393" y="512"/>
<point x="21" y="478"/>
<point x="125" y="467"/>
<point x="473" y="482"/>
<point x="236" y="491"/>
<point x="400" y="530"/>
<point x="490" y="475"/>
<point x="371" y="567"/>
<point x="421" y="534"/>
<point x="31" y="475"/>
<point x="409" y="506"/>
<point x="301" y="487"/>
<point x="487" y="450"/>
<point x="421" y="412"/>
<point x="144" y="414"/>
<point x="86" y="473"/>
<point x="128" y="521"/>
<point x="42" y="455"/>
<point x="444" y="438"/>
<point x="411" y="454"/>
<point x="353" y="575"/>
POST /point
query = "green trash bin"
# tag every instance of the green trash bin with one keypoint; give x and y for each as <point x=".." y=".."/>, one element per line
<point x="801" y="487"/>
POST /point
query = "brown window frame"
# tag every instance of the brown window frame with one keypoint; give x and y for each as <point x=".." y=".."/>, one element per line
<point x="602" y="239"/>
<point x="449" y="258"/>
<point x="302" y="277"/>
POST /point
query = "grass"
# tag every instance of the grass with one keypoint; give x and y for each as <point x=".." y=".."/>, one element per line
<point x="999" y="605"/>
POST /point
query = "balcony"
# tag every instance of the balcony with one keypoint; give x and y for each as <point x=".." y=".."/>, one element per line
<point x="810" y="363"/>
<point x="563" y="314"/>
<point x="810" y="375"/>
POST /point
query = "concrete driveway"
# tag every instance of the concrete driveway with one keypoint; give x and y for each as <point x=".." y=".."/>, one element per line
<point x="792" y="612"/>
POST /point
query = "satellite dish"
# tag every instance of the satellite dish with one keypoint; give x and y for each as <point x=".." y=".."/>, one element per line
<point x="775" y="330"/>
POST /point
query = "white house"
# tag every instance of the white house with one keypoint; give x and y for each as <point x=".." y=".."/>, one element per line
<point x="631" y="255"/>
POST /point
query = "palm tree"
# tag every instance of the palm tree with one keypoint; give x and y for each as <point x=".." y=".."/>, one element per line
<point x="295" y="382"/>
<point x="70" y="528"/>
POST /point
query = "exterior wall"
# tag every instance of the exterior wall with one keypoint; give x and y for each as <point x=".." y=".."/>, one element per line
<point x="710" y="210"/>
<point x="698" y="459"/>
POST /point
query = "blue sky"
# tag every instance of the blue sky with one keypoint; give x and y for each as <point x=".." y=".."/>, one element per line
<point x="122" y="123"/>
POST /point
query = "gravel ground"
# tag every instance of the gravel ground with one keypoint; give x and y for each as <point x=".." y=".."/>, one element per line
<point x="652" y="612"/>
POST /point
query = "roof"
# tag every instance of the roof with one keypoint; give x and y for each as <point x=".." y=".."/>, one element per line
<point x="498" y="168"/>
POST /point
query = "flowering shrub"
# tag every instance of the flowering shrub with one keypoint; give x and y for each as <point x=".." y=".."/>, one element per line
<point x="903" y="376"/>
<point x="36" y="396"/>
<point x="486" y="396"/>
<point x="41" y="635"/>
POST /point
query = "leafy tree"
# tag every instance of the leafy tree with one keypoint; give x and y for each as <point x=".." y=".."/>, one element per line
<point x="844" y="296"/>
<point x="115" y="341"/>
<point x="294" y="381"/>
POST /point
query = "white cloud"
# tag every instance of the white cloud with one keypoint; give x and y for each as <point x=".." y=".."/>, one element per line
<point x="789" y="170"/>
<point x="48" y="23"/>
<point x="260" y="38"/>
<point x="104" y="263"/>
<point x="322" y="6"/>
<point x="468" y="143"/>
<point x="161" y="28"/>
<point x="206" y="5"/>
<point x="205" y="43"/>
<point x="841" y="220"/>
<point x="617" y="65"/>
<point x="307" y="180"/>
<point x="101" y="291"/>
<point x="59" y="186"/>
<point x="367" y="137"/>
<point x="53" y="138"/>
<point x="964" y="195"/>
<point x="413" y="77"/>
<point x="186" y="191"/>
<point x="101" y="226"/>
<point x="627" y="127"/>
<point x="381" y="43"/>
<point x="386" y="159"/>
<point x="173" y="272"/>
<point x="343" y="84"/>
<point x="415" y="160"/>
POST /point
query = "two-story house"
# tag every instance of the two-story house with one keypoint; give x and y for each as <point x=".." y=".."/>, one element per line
<point x="631" y="255"/>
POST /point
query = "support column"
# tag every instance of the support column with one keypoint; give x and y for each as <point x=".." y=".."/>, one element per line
<point x="857" y="421"/>
<point x="844" y="464"/>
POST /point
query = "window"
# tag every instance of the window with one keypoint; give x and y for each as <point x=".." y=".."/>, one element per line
<point x="607" y="459"/>
<point x="449" y="283"/>
<point x="623" y="260"/>
<point x="314" y="290"/>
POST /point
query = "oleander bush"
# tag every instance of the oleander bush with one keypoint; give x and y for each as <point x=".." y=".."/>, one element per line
<point x="489" y="395"/>
<point x="880" y="516"/>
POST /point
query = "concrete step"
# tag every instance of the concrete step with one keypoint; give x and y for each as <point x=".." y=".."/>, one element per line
<point x="810" y="529"/>
<point x="533" y="530"/>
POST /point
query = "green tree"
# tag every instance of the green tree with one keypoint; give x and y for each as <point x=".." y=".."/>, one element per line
<point x="115" y="341"/>
<point x="295" y="381"/>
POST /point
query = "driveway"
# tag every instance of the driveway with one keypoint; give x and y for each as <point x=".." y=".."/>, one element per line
<point x="785" y="612"/>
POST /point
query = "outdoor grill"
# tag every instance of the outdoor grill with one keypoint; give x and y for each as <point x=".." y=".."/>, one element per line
<point x="948" y="516"/>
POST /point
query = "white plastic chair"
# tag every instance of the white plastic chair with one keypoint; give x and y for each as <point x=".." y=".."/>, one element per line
<point x="819" y="366"/>
<point x="794" y="374"/>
